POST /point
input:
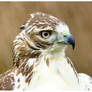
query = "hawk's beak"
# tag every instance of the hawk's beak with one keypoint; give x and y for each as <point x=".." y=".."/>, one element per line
<point x="69" y="40"/>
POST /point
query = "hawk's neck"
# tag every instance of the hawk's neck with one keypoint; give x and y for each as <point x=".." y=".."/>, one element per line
<point x="46" y="69"/>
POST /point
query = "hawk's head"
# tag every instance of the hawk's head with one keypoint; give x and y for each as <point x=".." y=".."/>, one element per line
<point x="42" y="33"/>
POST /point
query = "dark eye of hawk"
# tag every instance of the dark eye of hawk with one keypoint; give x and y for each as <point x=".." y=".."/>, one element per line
<point x="45" y="34"/>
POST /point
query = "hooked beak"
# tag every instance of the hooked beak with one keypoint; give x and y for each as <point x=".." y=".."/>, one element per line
<point x="69" y="40"/>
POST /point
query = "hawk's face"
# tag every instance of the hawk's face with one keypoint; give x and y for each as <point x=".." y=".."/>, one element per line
<point x="47" y="33"/>
<point x="41" y="33"/>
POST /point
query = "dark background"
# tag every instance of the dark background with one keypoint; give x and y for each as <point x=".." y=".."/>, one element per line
<point x="78" y="16"/>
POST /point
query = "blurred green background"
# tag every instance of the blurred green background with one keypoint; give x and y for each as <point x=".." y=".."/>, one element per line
<point x="78" y="16"/>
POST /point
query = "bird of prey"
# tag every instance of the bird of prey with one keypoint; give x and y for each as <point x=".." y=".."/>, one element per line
<point x="40" y="62"/>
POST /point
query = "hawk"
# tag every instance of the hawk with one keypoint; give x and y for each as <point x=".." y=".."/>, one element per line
<point x="39" y="58"/>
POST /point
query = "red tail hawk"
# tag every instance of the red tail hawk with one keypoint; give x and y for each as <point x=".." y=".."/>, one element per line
<point x="39" y="58"/>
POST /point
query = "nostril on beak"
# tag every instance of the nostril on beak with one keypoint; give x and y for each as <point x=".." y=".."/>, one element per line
<point x="65" y="35"/>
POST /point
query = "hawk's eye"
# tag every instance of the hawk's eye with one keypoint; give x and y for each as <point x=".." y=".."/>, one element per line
<point x="45" y="34"/>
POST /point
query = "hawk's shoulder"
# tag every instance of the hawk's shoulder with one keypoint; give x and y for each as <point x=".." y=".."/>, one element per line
<point x="7" y="80"/>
